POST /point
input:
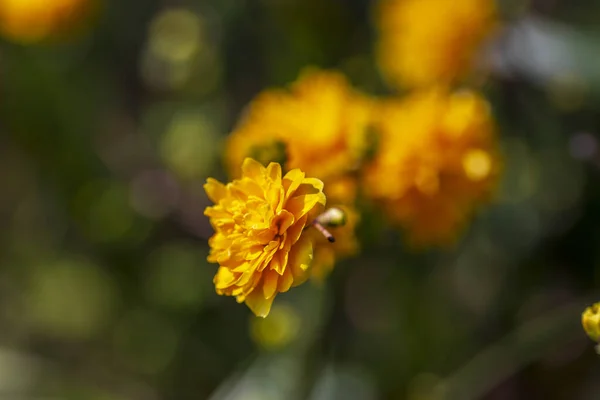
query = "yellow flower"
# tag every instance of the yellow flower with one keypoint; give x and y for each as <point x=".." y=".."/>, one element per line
<point x="258" y="243"/>
<point x="590" y="319"/>
<point x="437" y="160"/>
<point x="318" y="125"/>
<point x="30" y="21"/>
<point x="423" y="42"/>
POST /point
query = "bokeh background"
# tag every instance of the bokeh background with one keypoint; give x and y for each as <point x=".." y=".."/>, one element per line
<point x="110" y="129"/>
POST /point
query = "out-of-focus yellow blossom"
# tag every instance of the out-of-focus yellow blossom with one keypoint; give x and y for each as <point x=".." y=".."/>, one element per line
<point x="341" y="190"/>
<point x="30" y="21"/>
<point x="258" y="222"/>
<point x="590" y="319"/>
<point x="437" y="160"/>
<point x="423" y="42"/>
<point x="318" y="125"/>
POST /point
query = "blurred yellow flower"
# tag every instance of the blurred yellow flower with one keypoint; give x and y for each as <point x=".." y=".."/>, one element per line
<point x="590" y="319"/>
<point x="437" y="159"/>
<point x="319" y="125"/>
<point x="423" y="42"/>
<point x="30" y="21"/>
<point x="258" y="242"/>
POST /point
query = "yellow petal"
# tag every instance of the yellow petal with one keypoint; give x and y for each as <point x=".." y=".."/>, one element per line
<point x="283" y="220"/>
<point x="215" y="190"/>
<point x="294" y="232"/>
<point x="224" y="278"/>
<point x="279" y="262"/>
<point x="285" y="281"/>
<point x="253" y="170"/>
<point x="274" y="172"/>
<point x="275" y="197"/>
<point x="291" y="181"/>
<point x="300" y="259"/>
<point x="302" y="205"/>
<point x="314" y="182"/>
<point x="270" y="283"/>
<point x="258" y="304"/>
<point x="250" y="187"/>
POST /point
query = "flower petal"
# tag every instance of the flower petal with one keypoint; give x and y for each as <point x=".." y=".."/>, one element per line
<point x="282" y="221"/>
<point x="285" y="281"/>
<point x="314" y="182"/>
<point x="293" y="234"/>
<point x="215" y="190"/>
<point x="274" y="172"/>
<point x="270" y="283"/>
<point x="291" y="181"/>
<point x="258" y="304"/>
<point x="300" y="259"/>
<point x="224" y="278"/>
<point x="302" y="205"/>
<point x="253" y="170"/>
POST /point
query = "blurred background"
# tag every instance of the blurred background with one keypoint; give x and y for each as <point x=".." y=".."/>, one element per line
<point x="112" y="116"/>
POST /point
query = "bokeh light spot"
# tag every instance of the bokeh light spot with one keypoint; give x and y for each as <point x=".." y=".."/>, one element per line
<point x="279" y="329"/>
<point x="175" y="35"/>
<point x="189" y="146"/>
<point x="477" y="164"/>
<point x="70" y="298"/>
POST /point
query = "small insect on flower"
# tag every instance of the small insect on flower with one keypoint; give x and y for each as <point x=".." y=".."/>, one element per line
<point x="259" y="222"/>
<point x="590" y="319"/>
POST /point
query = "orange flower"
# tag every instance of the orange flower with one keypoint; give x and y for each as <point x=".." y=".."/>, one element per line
<point x="424" y="42"/>
<point x="30" y="21"/>
<point x="319" y="125"/>
<point x="437" y="161"/>
<point x="258" y="243"/>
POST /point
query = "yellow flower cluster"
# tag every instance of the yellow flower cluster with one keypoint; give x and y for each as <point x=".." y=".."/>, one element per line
<point x="258" y="222"/>
<point x="319" y="125"/>
<point x="425" y="42"/>
<point x="437" y="160"/>
<point x="30" y="21"/>
<point x="428" y="159"/>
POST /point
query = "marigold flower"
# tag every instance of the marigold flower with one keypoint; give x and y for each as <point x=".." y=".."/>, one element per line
<point x="590" y="319"/>
<point x="318" y="125"/>
<point x="30" y="21"/>
<point x="258" y="243"/>
<point x="437" y="161"/>
<point x="423" y="42"/>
